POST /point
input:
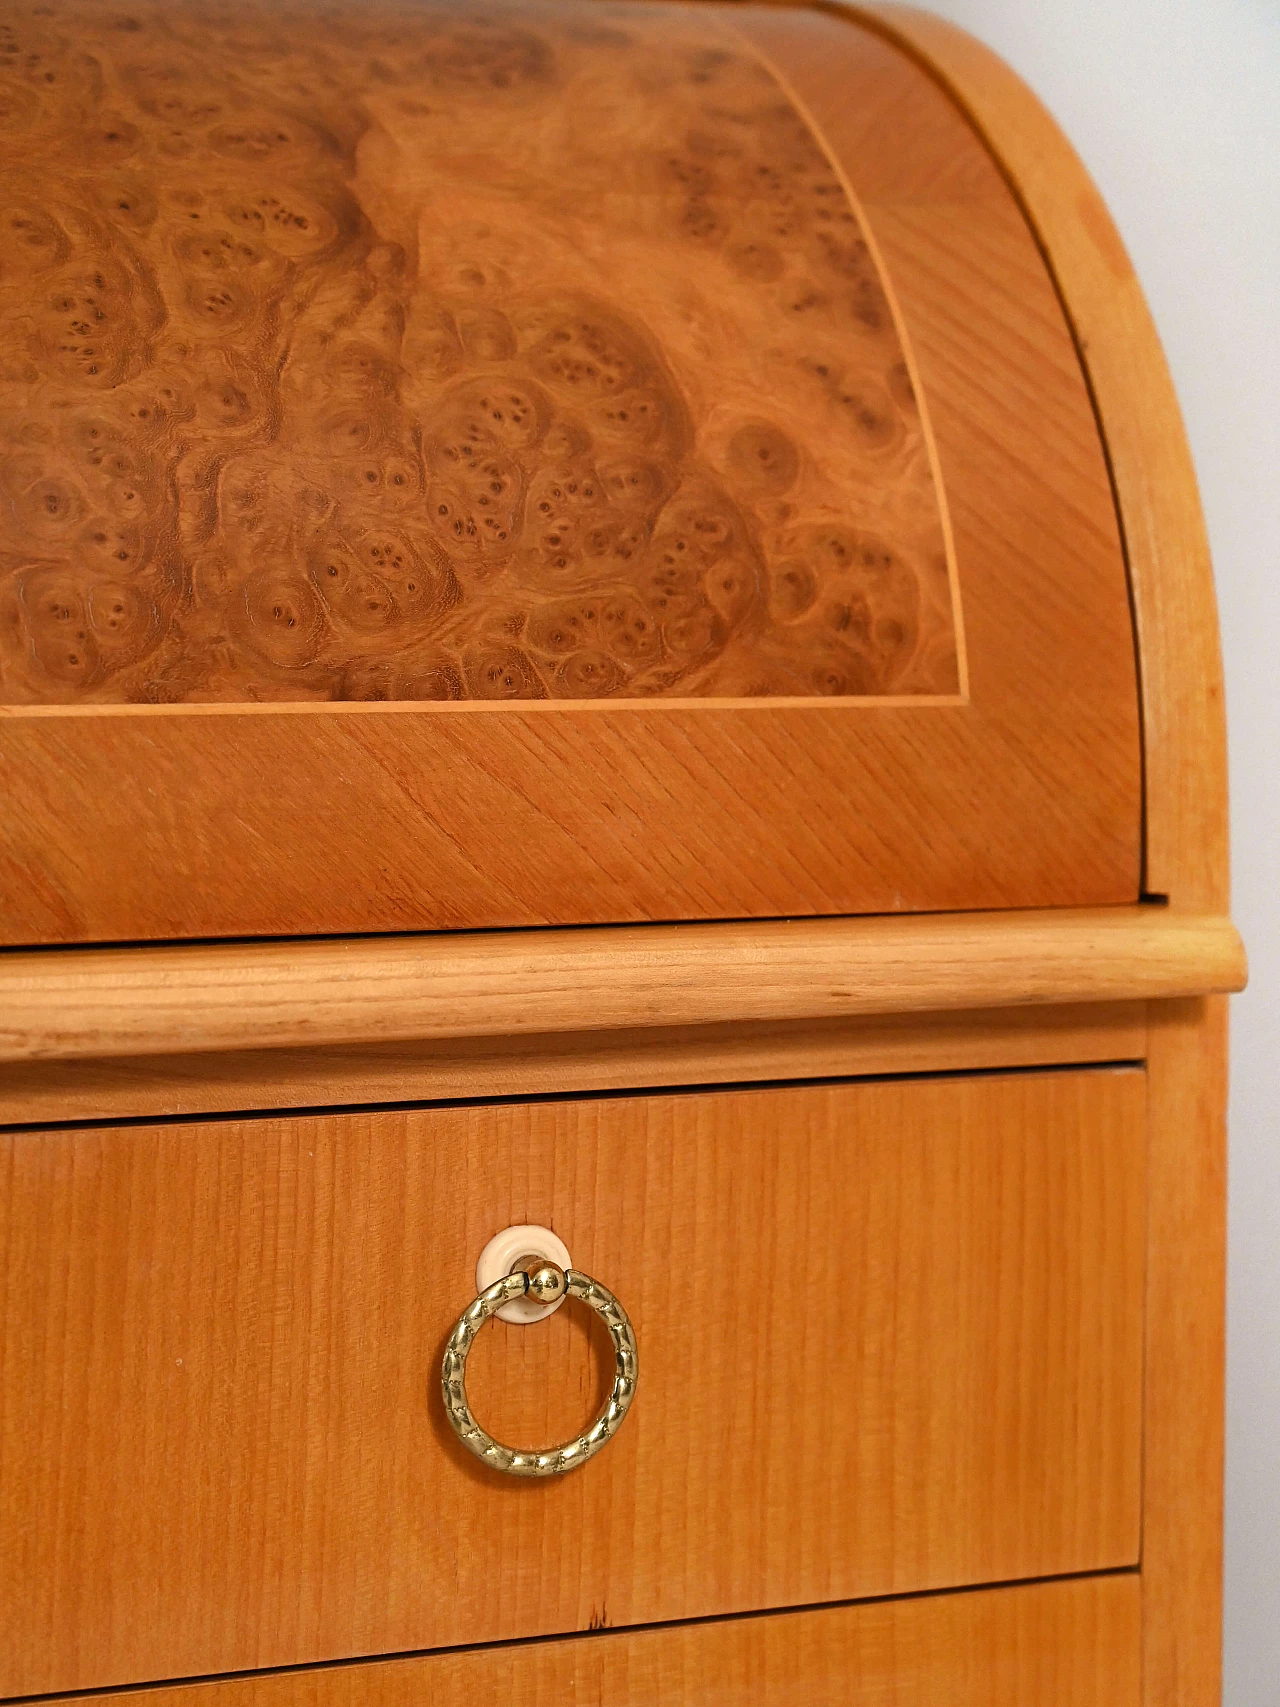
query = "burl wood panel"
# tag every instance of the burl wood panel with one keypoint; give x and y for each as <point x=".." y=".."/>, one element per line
<point x="135" y="822"/>
<point x="441" y="352"/>
<point x="1071" y="1644"/>
<point x="890" y="1340"/>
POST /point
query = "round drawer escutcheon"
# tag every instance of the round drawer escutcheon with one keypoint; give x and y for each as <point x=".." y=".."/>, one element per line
<point x="545" y="1283"/>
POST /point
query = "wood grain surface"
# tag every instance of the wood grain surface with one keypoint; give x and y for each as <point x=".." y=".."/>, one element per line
<point x="1166" y="546"/>
<point x="115" y="1002"/>
<point x="98" y="1002"/>
<point x="890" y="1340"/>
<point x="541" y="1064"/>
<point x="1185" y="845"/>
<point x="1184" y="1402"/>
<point x="229" y="820"/>
<point x="314" y="387"/>
<point x="1070" y="1644"/>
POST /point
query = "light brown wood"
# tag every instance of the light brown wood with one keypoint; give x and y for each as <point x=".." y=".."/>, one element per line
<point x="113" y="1002"/>
<point x="141" y="1002"/>
<point x="1185" y="839"/>
<point x="236" y="820"/>
<point x="1184" y="1401"/>
<point x="214" y="821"/>
<point x="890" y="1340"/>
<point x="1071" y="1644"/>
<point x="134" y="1086"/>
<point x="1184" y="735"/>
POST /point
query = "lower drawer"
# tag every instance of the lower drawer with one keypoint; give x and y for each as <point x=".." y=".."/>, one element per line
<point x="889" y="1333"/>
<point x="1072" y="1644"/>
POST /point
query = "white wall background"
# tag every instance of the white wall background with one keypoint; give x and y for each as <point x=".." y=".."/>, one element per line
<point x="1175" y="107"/>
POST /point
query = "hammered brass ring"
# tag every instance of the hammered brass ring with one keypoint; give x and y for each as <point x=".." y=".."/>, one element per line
<point x="555" y="1460"/>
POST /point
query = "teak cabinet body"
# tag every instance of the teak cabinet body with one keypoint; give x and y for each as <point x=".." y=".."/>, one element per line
<point x="604" y="624"/>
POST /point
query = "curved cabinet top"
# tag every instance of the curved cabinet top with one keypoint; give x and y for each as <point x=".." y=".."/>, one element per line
<point x="562" y="463"/>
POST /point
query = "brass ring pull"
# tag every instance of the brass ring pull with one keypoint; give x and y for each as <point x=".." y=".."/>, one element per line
<point x="547" y="1283"/>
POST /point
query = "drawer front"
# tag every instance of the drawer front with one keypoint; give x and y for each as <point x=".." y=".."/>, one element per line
<point x="1073" y="1644"/>
<point x="889" y="1333"/>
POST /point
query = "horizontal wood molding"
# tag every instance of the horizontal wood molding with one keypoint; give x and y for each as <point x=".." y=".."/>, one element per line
<point x="103" y="1003"/>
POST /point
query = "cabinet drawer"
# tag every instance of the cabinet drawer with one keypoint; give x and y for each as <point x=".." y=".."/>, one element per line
<point x="889" y="1337"/>
<point x="1071" y="1644"/>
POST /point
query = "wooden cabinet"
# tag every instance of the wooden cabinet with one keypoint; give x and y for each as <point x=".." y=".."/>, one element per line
<point x="603" y="625"/>
<point x="891" y="1341"/>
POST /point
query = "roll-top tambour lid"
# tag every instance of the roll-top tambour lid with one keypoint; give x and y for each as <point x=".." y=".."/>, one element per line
<point x="472" y="464"/>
